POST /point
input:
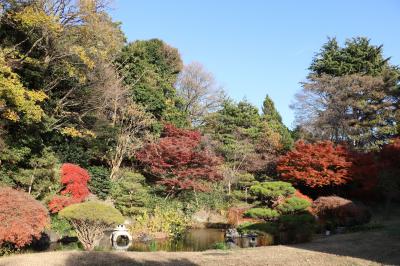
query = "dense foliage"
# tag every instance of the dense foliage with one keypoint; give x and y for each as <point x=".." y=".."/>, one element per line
<point x="22" y="218"/>
<point x="74" y="179"/>
<point x="315" y="165"/>
<point x="179" y="161"/>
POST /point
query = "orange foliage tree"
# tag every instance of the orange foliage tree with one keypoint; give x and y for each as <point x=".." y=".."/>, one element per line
<point x="179" y="161"/>
<point x="315" y="165"/>
<point x="364" y="173"/>
<point x="74" y="179"/>
<point x="22" y="218"/>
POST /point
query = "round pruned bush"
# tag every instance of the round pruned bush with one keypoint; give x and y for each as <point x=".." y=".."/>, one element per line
<point x="293" y="205"/>
<point x="340" y="211"/>
<point x="22" y="218"/>
<point x="90" y="219"/>
<point x="262" y="213"/>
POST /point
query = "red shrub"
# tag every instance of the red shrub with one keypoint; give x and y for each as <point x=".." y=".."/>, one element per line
<point x="340" y="211"/>
<point x="75" y="180"/>
<point x="179" y="161"/>
<point x="315" y="165"/>
<point x="22" y="218"/>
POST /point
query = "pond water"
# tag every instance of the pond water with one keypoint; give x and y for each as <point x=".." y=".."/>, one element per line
<point x="197" y="240"/>
<point x="192" y="240"/>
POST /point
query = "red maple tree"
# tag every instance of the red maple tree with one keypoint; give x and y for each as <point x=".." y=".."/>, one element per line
<point x="179" y="161"/>
<point x="22" y="218"/>
<point x="364" y="173"/>
<point x="75" y="180"/>
<point x="389" y="156"/>
<point x="315" y="165"/>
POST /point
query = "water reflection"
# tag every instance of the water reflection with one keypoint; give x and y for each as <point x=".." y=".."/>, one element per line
<point x="198" y="240"/>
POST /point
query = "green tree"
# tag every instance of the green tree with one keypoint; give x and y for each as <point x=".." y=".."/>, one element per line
<point x="352" y="95"/>
<point x="100" y="183"/>
<point x="150" y="69"/>
<point x="129" y="193"/>
<point x="276" y="133"/>
<point x="358" y="56"/>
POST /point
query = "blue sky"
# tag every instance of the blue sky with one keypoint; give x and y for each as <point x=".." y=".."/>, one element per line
<point x="259" y="47"/>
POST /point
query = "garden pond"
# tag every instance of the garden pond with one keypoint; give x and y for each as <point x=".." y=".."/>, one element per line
<point x="192" y="240"/>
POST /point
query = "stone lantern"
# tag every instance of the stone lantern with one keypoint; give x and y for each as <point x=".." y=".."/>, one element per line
<point x="120" y="238"/>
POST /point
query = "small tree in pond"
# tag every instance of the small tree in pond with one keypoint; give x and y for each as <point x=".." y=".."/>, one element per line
<point x="90" y="219"/>
<point x="22" y="218"/>
<point x="179" y="161"/>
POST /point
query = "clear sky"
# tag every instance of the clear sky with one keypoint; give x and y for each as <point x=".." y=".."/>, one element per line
<point x="259" y="47"/>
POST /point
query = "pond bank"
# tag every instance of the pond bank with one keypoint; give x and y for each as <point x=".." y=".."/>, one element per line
<point x="363" y="248"/>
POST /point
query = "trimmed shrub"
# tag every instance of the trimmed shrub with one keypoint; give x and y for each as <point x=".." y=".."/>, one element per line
<point x="262" y="213"/>
<point x="340" y="211"/>
<point x="22" y="218"/>
<point x="249" y="227"/>
<point x="269" y="192"/>
<point x="293" y="205"/>
<point x="90" y="219"/>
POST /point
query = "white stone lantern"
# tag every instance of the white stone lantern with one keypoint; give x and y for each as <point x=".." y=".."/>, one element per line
<point x="120" y="238"/>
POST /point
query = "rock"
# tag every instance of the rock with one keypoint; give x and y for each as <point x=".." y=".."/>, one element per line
<point x="205" y="218"/>
<point x="145" y="238"/>
<point x="231" y="233"/>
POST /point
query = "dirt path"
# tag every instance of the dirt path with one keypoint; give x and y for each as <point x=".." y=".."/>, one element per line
<point x="367" y="248"/>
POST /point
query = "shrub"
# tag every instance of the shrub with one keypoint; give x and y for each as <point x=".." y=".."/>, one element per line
<point x="262" y="213"/>
<point x="270" y="192"/>
<point x="90" y="219"/>
<point x="221" y="246"/>
<point x="61" y="226"/>
<point x="100" y="183"/>
<point x="22" y="218"/>
<point x="293" y="205"/>
<point x="248" y="227"/>
<point x="166" y="220"/>
<point x="296" y="228"/>
<point x="340" y="211"/>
